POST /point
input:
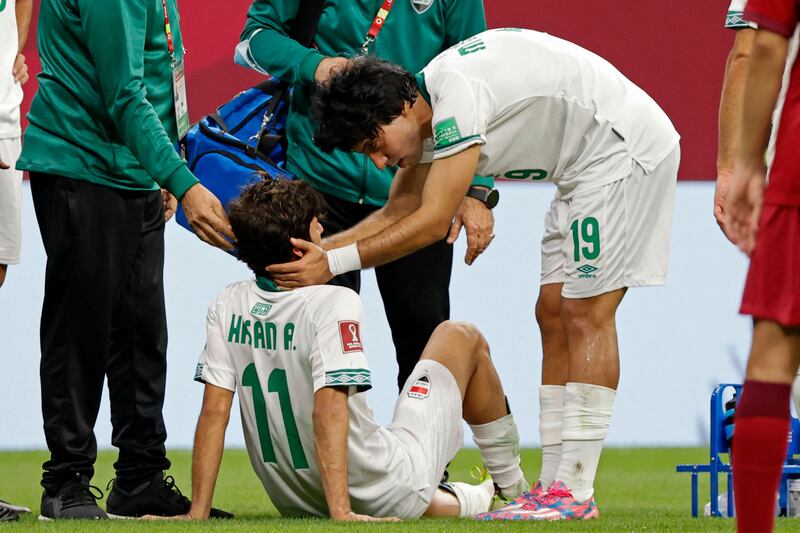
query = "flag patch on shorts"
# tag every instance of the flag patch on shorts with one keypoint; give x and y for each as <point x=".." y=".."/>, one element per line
<point x="350" y="335"/>
<point x="420" y="388"/>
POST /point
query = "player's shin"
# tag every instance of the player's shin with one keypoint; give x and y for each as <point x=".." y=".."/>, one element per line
<point x="587" y="416"/>
<point x="551" y="417"/>
<point x="498" y="442"/>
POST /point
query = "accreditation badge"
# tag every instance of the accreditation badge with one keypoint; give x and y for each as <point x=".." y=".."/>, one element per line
<point x="181" y="102"/>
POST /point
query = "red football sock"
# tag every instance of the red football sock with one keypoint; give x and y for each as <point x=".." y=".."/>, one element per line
<point x="759" y="443"/>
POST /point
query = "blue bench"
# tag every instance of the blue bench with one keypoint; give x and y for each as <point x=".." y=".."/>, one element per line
<point x="719" y="446"/>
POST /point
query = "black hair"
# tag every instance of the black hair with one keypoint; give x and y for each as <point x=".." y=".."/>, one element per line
<point x="266" y="214"/>
<point x="358" y="100"/>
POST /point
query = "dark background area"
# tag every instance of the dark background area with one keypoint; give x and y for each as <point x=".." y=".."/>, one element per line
<point x="675" y="50"/>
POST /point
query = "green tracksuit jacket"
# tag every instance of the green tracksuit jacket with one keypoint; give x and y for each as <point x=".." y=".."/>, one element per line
<point x="104" y="112"/>
<point x="415" y="32"/>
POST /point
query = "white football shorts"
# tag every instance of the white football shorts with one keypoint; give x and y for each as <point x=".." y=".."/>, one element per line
<point x="614" y="236"/>
<point x="427" y="421"/>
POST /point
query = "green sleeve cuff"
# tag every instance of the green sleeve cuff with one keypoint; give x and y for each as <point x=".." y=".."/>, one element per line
<point x="180" y="181"/>
<point x="483" y="181"/>
<point x="308" y="66"/>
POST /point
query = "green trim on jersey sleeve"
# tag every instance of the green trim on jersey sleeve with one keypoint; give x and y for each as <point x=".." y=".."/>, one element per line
<point x="358" y="377"/>
<point x="448" y="145"/>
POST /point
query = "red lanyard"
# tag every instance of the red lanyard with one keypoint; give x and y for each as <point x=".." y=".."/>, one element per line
<point x="377" y="24"/>
<point x="168" y="30"/>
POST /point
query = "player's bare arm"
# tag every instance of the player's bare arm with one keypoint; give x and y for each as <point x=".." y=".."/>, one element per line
<point x="209" y="443"/>
<point x="763" y="85"/>
<point x="331" y="424"/>
<point x="443" y="191"/>
<point x="23" y="10"/>
<point x="405" y="196"/>
<point x="445" y="188"/>
<point x="730" y="118"/>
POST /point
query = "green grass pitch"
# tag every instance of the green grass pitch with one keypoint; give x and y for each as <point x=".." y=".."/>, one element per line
<point x="638" y="490"/>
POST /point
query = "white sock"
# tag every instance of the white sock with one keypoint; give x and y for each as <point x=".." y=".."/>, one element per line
<point x="473" y="499"/>
<point x="551" y="415"/>
<point x="796" y="394"/>
<point x="587" y="415"/>
<point x="498" y="442"/>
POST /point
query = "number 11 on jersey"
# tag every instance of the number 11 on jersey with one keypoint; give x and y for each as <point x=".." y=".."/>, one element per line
<point x="276" y="382"/>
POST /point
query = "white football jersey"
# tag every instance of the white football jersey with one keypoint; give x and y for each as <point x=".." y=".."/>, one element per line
<point x="543" y="109"/>
<point x="276" y="349"/>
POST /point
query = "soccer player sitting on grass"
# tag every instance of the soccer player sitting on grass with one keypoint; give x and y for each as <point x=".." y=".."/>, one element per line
<point x="527" y="106"/>
<point x="297" y="362"/>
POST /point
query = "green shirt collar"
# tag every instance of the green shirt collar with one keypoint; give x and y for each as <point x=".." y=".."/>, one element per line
<point x="423" y="89"/>
<point x="266" y="284"/>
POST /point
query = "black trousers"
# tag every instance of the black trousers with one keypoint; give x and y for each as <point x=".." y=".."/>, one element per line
<point x="103" y="316"/>
<point x="415" y="289"/>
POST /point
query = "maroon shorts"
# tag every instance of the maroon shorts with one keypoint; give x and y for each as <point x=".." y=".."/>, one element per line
<point x="772" y="291"/>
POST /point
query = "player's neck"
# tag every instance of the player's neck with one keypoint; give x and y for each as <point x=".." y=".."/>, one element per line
<point x="422" y="114"/>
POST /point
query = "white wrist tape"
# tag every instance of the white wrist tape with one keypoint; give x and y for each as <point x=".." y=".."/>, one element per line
<point x="345" y="259"/>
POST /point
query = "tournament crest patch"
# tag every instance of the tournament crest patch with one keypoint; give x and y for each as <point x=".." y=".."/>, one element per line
<point x="421" y="388"/>
<point x="446" y="132"/>
<point x="350" y="335"/>
<point x="421" y="6"/>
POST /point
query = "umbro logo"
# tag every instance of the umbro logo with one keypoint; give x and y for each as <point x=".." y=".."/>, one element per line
<point x="587" y="271"/>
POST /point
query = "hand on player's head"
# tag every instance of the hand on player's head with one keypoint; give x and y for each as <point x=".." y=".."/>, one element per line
<point x="267" y="214"/>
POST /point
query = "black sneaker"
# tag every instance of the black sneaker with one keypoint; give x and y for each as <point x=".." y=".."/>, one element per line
<point x="75" y="499"/>
<point x="159" y="497"/>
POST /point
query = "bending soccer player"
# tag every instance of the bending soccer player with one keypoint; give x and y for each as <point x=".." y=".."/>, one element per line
<point x="521" y="105"/>
<point x="297" y="361"/>
<point x="764" y="221"/>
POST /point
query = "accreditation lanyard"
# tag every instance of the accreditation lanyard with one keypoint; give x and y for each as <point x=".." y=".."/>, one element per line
<point x="178" y="79"/>
<point x="377" y="24"/>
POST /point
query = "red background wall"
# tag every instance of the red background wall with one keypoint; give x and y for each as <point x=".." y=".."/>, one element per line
<point x="674" y="49"/>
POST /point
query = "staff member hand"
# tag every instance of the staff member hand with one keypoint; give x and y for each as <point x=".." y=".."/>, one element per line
<point x="170" y="204"/>
<point x="478" y="222"/>
<point x="20" y="70"/>
<point x="3" y="166"/>
<point x="310" y="269"/>
<point x="327" y="67"/>
<point x="207" y="217"/>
